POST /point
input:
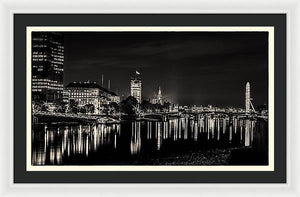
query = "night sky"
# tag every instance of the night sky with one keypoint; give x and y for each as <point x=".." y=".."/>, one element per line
<point x="192" y="68"/>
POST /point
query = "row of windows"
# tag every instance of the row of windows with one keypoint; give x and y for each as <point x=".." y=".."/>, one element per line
<point x="58" y="56"/>
<point x="59" y="59"/>
<point x="39" y="45"/>
<point x="61" y="53"/>
<point x="46" y="87"/>
<point x="56" y="49"/>
<point x="39" y="55"/>
<point x="56" y="62"/>
<point x="48" y="80"/>
<point x="83" y="90"/>
<point x="40" y="88"/>
<point x="55" y="84"/>
<point x="36" y="90"/>
<point x="39" y="39"/>
<point x="39" y="59"/>
<point x="55" y="42"/>
<point x="36" y="57"/>
<point x="83" y="94"/>
<point x="39" y="52"/>
<point x="58" y="69"/>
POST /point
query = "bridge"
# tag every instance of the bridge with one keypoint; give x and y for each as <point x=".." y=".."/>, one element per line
<point x="158" y="115"/>
<point x="55" y="117"/>
<point x="38" y="117"/>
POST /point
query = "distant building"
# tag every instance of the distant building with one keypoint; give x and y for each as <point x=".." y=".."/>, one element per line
<point x="136" y="87"/>
<point x="84" y="93"/>
<point x="173" y="108"/>
<point x="158" y="98"/>
<point x="89" y="93"/>
<point x="113" y="97"/>
<point x="47" y="66"/>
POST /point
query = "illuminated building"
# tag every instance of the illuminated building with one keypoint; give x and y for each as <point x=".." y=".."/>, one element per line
<point x="173" y="108"/>
<point x="113" y="97"/>
<point x="84" y="93"/>
<point x="136" y="87"/>
<point x="47" y="66"/>
<point x="158" y="99"/>
<point x="89" y="93"/>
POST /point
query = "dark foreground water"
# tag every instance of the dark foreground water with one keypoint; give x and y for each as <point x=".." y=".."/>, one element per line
<point x="146" y="142"/>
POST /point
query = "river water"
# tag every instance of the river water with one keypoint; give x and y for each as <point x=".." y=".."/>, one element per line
<point x="141" y="142"/>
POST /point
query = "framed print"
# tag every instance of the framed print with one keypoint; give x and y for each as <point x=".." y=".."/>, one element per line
<point x="150" y="98"/>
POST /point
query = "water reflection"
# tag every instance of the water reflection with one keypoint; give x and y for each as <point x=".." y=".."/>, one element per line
<point x="135" y="142"/>
<point x="58" y="145"/>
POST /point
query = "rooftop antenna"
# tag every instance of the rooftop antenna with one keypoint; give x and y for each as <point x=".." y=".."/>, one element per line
<point x="102" y="80"/>
<point x="108" y="84"/>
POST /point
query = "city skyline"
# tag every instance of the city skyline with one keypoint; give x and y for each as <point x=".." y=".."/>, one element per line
<point x="191" y="68"/>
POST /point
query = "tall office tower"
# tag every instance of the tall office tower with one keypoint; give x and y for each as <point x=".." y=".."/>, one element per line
<point x="47" y="66"/>
<point x="247" y="98"/>
<point x="136" y="87"/>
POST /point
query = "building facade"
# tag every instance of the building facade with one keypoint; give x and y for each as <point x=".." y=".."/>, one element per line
<point x="85" y="93"/>
<point x="47" y="66"/>
<point x="113" y="97"/>
<point x="136" y="87"/>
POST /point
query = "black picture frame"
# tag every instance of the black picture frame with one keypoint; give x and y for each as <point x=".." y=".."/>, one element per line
<point x="21" y="21"/>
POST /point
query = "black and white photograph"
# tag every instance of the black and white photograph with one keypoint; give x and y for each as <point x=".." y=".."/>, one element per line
<point x="150" y="98"/>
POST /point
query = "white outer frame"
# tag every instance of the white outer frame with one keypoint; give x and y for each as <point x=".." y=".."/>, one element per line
<point x="9" y="7"/>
